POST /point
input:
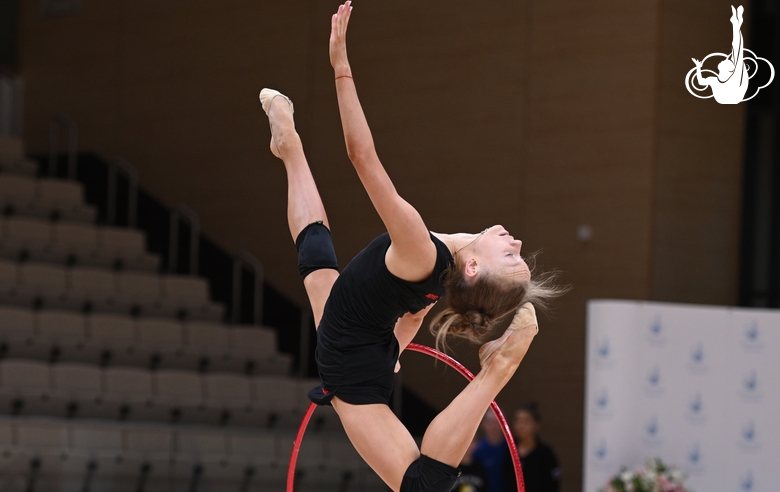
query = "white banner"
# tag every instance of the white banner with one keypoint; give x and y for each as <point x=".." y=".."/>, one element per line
<point x="698" y="387"/>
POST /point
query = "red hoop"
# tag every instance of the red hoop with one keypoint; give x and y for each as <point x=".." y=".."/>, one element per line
<point x="455" y="365"/>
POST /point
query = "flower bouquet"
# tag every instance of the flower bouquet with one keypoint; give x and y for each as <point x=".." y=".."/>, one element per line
<point x="655" y="476"/>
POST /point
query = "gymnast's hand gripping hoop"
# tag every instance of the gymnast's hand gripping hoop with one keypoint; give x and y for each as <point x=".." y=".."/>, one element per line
<point x="455" y="365"/>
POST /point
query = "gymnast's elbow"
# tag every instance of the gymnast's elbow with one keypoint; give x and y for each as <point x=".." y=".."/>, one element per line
<point x="359" y="153"/>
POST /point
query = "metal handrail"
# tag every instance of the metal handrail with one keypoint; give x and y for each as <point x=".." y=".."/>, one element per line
<point x="120" y="164"/>
<point x="241" y="259"/>
<point x="177" y="212"/>
<point x="54" y="143"/>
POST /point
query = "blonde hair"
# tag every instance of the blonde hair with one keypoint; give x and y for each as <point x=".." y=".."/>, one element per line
<point x="476" y="306"/>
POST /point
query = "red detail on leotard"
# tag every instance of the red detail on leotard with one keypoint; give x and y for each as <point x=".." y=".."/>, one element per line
<point x="432" y="297"/>
<point x="324" y="391"/>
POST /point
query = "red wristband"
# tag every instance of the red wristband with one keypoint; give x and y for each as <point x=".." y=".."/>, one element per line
<point x="344" y="76"/>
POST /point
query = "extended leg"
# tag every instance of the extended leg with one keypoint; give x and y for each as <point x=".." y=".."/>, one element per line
<point x="380" y="439"/>
<point x="304" y="205"/>
<point x="451" y="432"/>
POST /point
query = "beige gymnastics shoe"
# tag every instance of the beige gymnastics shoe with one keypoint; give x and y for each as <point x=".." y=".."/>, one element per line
<point x="267" y="95"/>
<point x="524" y="318"/>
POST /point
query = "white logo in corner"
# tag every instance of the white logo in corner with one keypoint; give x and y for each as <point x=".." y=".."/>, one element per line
<point x="730" y="84"/>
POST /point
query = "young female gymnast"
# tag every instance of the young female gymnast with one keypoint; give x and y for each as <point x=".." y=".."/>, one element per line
<point x="370" y="312"/>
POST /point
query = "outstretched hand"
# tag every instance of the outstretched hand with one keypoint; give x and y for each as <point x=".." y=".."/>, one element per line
<point x="697" y="62"/>
<point x="338" y="35"/>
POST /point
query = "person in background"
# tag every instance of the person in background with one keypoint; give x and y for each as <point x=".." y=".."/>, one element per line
<point x="473" y="477"/>
<point x="492" y="452"/>
<point x="541" y="472"/>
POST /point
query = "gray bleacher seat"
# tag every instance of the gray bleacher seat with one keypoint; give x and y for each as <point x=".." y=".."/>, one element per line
<point x="276" y="401"/>
<point x="17" y="194"/>
<point x="62" y="334"/>
<point x="162" y="339"/>
<point x="62" y="199"/>
<point x="17" y="330"/>
<point x="40" y="285"/>
<point x="262" y="454"/>
<point x="113" y="336"/>
<point x="26" y="238"/>
<point x="92" y="289"/>
<point x="257" y="346"/>
<point x="94" y="453"/>
<point x="205" y="448"/>
<point x="79" y="388"/>
<point x="182" y="392"/>
<point x="209" y="344"/>
<point x="148" y="457"/>
<point x="131" y="390"/>
<point x="125" y="248"/>
<point x="140" y="290"/>
<point x="41" y="441"/>
<point x="74" y="243"/>
<point x="187" y="297"/>
<point x="24" y="387"/>
<point x="231" y="395"/>
<point x="9" y="273"/>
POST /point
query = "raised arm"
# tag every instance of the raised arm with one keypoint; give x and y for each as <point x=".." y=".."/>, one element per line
<point x="412" y="254"/>
<point x="701" y="80"/>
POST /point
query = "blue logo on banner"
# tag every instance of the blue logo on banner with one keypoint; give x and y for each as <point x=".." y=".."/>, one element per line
<point x="601" y="458"/>
<point x="604" y="354"/>
<point x="752" y="339"/>
<point x="653" y="387"/>
<point x="601" y="451"/>
<point x="694" y="457"/>
<point x="603" y="400"/>
<point x="652" y="432"/>
<point x="746" y="482"/>
<point x="695" y="461"/>
<point x="602" y="410"/>
<point x="696" y="413"/>
<point x="749" y="437"/>
<point x="750" y="390"/>
<point x="697" y="362"/>
<point x="656" y="333"/>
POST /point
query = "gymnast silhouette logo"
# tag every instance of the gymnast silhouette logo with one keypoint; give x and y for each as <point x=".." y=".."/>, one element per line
<point x="731" y="83"/>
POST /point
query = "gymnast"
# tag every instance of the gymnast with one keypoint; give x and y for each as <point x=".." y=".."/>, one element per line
<point x="369" y="313"/>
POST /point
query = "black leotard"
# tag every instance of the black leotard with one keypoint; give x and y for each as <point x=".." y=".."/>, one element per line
<point x="356" y="347"/>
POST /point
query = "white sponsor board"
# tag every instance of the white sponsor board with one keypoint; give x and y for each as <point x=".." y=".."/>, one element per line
<point x="698" y="387"/>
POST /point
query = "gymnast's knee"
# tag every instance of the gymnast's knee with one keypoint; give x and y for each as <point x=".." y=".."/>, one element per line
<point x="426" y="474"/>
<point x="315" y="249"/>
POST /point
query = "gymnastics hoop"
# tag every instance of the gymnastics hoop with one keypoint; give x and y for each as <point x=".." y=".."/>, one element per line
<point x="415" y="347"/>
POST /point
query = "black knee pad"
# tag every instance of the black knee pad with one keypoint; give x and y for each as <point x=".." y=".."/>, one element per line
<point x="315" y="249"/>
<point x="429" y="475"/>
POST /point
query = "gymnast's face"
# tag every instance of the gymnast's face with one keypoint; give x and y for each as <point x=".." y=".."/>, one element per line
<point x="497" y="251"/>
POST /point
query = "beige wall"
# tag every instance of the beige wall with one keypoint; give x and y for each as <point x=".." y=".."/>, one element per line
<point x="541" y="115"/>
